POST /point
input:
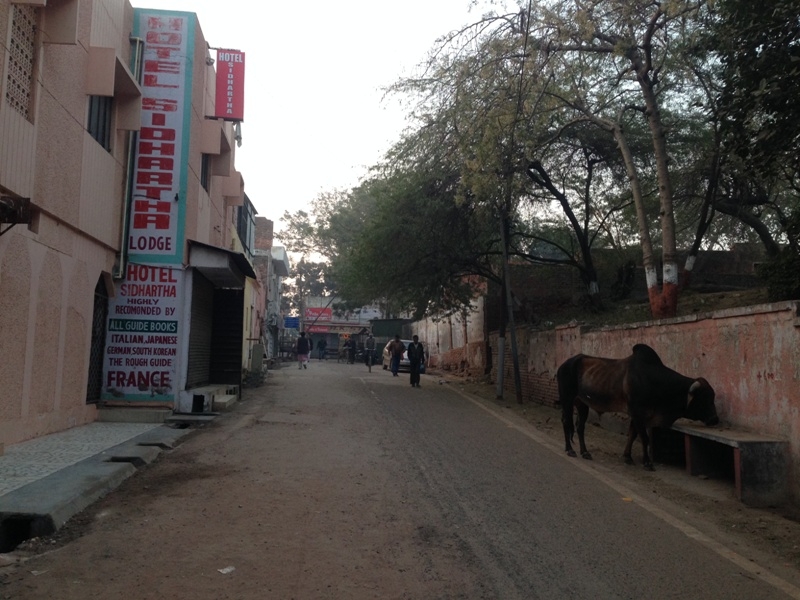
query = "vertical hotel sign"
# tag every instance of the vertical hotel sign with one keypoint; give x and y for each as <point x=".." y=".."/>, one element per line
<point x="230" y="85"/>
<point x="159" y="187"/>
<point x="144" y="324"/>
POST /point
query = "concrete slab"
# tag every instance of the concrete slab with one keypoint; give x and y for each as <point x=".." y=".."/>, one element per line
<point x="166" y="437"/>
<point x="222" y="403"/>
<point x="133" y="454"/>
<point x="191" y="418"/>
<point x="122" y="414"/>
<point x="43" y="506"/>
<point x="56" y="477"/>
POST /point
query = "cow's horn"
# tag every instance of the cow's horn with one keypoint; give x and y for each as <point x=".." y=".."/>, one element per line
<point x="696" y="385"/>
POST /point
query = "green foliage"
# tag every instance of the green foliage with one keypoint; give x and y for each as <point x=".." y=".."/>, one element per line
<point x="310" y="274"/>
<point x="759" y="47"/>
<point x="416" y="246"/>
<point x="782" y="276"/>
<point x="703" y="97"/>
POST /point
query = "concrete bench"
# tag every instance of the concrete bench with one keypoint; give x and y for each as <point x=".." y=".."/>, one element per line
<point x="223" y="402"/>
<point x="759" y="462"/>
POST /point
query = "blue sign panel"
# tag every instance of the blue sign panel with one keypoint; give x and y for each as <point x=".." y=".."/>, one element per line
<point x="291" y="322"/>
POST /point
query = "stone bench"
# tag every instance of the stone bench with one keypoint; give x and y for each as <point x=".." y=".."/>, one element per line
<point x="759" y="462"/>
<point x="223" y="403"/>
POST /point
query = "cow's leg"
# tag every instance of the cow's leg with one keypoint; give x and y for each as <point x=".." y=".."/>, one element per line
<point x="626" y="454"/>
<point x="583" y="415"/>
<point x="569" y="427"/>
<point x="645" y="435"/>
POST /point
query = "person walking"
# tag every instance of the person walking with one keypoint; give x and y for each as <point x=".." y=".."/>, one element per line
<point x="322" y="346"/>
<point x="416" y="355"/>
<point x="369" y="351"/>
<point x="346" y="350"/>
<point x="396" y="349"/>
<point x="303" y="350"/>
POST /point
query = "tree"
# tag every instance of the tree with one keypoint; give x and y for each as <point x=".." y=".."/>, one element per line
<point x="758" y="45"/>
<point x="417" y="247"/>
<point x="614" y="59"/>
<point x="582" y="175"/>
<point x="310" y="273"/>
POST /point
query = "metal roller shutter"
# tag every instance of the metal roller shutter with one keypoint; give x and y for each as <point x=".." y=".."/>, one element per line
<point x="200" y="335"/>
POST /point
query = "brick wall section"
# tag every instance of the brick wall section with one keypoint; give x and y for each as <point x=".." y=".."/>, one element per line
<point x="750" y="355"/>
<point x="468" y="360"/>
<point x="536" y="387"/>
<point x="264" y="233"/>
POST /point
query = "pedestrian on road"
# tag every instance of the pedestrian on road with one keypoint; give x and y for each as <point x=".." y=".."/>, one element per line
<point x="369" y="351"/>
<point x="416" y="355"/>
<point x="396" y="349"/>
<point x="303" y="350"/>
<point x="322" y="345"/>
<point x="346" y="350"/>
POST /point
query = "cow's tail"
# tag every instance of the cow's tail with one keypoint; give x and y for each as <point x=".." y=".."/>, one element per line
<point x="567" y="378"/>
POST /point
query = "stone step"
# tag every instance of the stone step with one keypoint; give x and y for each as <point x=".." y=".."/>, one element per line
<point x="222" y="403"/>
<point x="124" y="414"/>
<point x="191" y="419"/>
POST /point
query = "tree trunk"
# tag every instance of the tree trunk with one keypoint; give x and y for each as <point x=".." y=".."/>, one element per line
<point x="654" y="294"/>
<point x="540" y="177"/>
<point x="771" y="247"/>
<point x="510" y="309"/>
<point x="501" y="343"/>
<point x="664" y="304"/>
<point x="706" y="216"/>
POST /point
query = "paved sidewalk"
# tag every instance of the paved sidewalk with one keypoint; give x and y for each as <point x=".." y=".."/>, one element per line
<point x="32" y="460"/>
<point x="47" y="480"/>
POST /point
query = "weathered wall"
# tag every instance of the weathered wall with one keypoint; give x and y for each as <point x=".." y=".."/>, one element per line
<point x="751" y="356"/>
<point x="458" y="342"/>
<point x="49" y="270"/>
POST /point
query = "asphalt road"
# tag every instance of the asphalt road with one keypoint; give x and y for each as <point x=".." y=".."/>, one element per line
<point x="332" y="482"/>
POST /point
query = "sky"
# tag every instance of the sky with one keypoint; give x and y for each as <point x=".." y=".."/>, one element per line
<point x="315" y="113"/>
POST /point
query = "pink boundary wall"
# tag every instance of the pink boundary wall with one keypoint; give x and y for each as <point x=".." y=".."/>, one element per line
<point x="750" y="355"/>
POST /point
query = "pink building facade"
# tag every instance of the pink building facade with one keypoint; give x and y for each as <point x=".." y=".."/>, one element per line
<point x="128" y="269"/>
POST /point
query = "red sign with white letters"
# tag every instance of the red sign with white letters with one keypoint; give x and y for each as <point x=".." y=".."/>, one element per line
<point x="230" y="85"/>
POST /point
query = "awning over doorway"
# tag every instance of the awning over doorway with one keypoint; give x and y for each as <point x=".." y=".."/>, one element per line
<point x="223" y="268"/>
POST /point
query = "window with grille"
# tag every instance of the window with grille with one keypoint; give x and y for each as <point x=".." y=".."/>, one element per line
<point x="99" y="121"/>
<point x="22" y="53"/>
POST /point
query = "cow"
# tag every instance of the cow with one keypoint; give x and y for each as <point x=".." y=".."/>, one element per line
<point x="640" y="385"/>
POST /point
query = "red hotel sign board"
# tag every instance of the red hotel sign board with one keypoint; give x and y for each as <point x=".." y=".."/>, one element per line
<point x="319" y="314"/>
<point x="230" y="85"/>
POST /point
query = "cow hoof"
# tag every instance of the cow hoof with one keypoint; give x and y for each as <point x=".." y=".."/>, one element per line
<point x="628" y="460"/>
<point x="649" y="468"/>
<point x="587" y="455"/>
<point x="571" y="453"/>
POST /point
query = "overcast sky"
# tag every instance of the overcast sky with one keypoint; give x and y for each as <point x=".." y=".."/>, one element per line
<point x="314" y="115"/>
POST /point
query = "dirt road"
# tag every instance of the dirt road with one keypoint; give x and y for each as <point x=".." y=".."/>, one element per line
<point x="334" y="483"/>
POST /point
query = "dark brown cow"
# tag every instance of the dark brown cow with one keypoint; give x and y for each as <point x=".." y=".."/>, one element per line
<point x="640" y="385"/>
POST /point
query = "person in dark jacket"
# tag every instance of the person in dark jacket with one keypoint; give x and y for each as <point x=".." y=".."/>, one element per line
<point x="396" y="349"/>
<point x="303" y="350"/>
<point x="369" y="351"/>
<point x="416" y="355"/>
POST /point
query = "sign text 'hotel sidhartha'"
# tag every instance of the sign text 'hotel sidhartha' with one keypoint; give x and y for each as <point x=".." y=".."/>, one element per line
<point x="155" y="214"/>
<point x="230" y="85"/>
